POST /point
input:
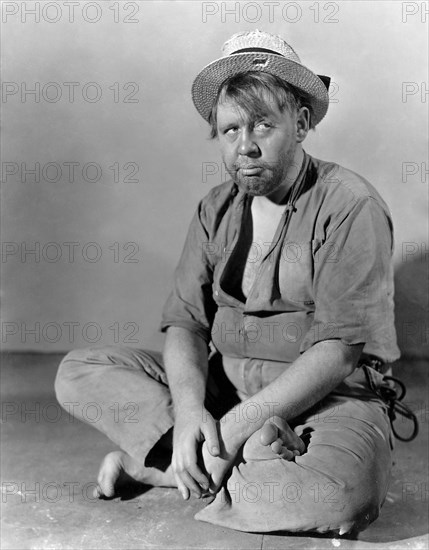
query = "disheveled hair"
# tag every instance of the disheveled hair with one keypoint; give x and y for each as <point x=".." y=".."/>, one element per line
<point x="250" y="91"/>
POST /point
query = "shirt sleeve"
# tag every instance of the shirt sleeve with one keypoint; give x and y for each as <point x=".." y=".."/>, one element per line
<point x="190" y="304"/>
<point x="353" y="279"/>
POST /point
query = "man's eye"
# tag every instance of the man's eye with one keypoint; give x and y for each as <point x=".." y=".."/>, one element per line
<point x="231" y="130"/>
<point x="263" y="126"/>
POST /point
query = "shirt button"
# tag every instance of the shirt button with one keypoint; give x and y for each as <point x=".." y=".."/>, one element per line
<point x="216" y="293"/>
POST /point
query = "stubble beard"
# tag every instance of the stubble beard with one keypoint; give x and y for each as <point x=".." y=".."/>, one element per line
<point x="271" y="178"/>
<point x="257" y="186"/>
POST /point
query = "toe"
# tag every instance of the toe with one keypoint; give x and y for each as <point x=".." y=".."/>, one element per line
<point x="288" y="436"/>
<point x="286" y="454"/>
<point x="280" y="423"/>
<point x="107" y="476"/>
<point x="277" y="446"/>
<point x="283" y="452"/>
<point x="269" y="433"/>
<point x="105" y="486"/>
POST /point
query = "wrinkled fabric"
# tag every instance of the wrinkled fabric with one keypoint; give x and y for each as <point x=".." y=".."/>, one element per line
<point x="326" y="275"/>
<point x="330" y="276"/>
<point x="339" y="483"/>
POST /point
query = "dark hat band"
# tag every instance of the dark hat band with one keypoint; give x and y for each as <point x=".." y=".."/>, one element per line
<point x="251" y="50"/>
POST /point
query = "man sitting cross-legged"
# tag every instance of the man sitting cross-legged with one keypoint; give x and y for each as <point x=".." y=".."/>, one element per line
<point x="278" y="329"/>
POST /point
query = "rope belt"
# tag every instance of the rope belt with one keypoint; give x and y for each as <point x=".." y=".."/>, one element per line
<point x="391" y="391"/>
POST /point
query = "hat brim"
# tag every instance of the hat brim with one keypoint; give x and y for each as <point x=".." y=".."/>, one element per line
<point x="208" y="81"/>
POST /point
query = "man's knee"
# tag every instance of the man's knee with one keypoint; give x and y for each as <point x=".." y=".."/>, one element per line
<point x="65" y="374"/>
<point x="86" y="368"/>
<point x="73" y="368"/>
<point x="280" y="496"/>
<point x="346" y="499"/>
<point x="318" y="496"/>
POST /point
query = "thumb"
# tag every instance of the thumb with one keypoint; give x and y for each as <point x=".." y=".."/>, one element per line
<point x="211" y="436"/>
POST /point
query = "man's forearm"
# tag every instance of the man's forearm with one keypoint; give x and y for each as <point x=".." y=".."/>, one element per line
<point x="186" y="365"/>
<point x="310" y="378"/>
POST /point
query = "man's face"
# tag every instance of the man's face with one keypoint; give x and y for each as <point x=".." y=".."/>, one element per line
<point x="259" y="151"/>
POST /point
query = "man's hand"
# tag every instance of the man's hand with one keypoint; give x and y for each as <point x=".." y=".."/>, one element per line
<point x="217" y="466"/>
<point x="186" y="365"/>
<point x="330" y="359"/>
<point x="191" y="428"/>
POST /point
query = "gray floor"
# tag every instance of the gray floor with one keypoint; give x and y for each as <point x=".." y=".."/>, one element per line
<point x="49" y="463"/>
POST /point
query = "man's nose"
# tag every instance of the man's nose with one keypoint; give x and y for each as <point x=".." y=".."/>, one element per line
<point x="247" y="145"/>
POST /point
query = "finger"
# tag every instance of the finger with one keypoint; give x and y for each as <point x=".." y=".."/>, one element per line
<point x="198" y="476"/>
<point x="190" y="475"/>
<point x="215" y="484"/>
<point x="189" y="464"/>
<point x="190" y="484"/>
<point x="211" y="436"/>
<point x="182" y="488"/>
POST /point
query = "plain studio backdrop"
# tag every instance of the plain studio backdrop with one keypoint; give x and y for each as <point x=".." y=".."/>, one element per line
<point x="104" y="157"/>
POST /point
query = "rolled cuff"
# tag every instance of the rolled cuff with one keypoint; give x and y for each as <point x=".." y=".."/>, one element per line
<point x="192" y="326"/>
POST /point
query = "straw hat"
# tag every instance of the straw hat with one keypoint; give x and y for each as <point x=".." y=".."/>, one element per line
<point x="259" y="51"/>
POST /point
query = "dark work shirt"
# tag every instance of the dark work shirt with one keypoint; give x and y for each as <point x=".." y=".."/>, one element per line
<point x="326" y="275"/>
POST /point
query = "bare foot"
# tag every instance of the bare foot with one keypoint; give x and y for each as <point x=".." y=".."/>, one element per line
<point x="119" y="465"/>
<point x="283" y="441"/>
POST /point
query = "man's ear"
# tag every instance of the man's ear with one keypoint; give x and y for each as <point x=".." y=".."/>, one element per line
<point x="302" y="124"/>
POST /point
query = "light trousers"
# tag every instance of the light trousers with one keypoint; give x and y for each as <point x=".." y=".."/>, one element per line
<point x="339" y="483"/>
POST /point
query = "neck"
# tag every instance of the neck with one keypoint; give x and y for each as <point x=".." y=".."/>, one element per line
<point x="278" y="196"/>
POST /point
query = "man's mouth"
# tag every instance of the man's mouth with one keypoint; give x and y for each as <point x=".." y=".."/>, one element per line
<point x="251" y="170"/>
